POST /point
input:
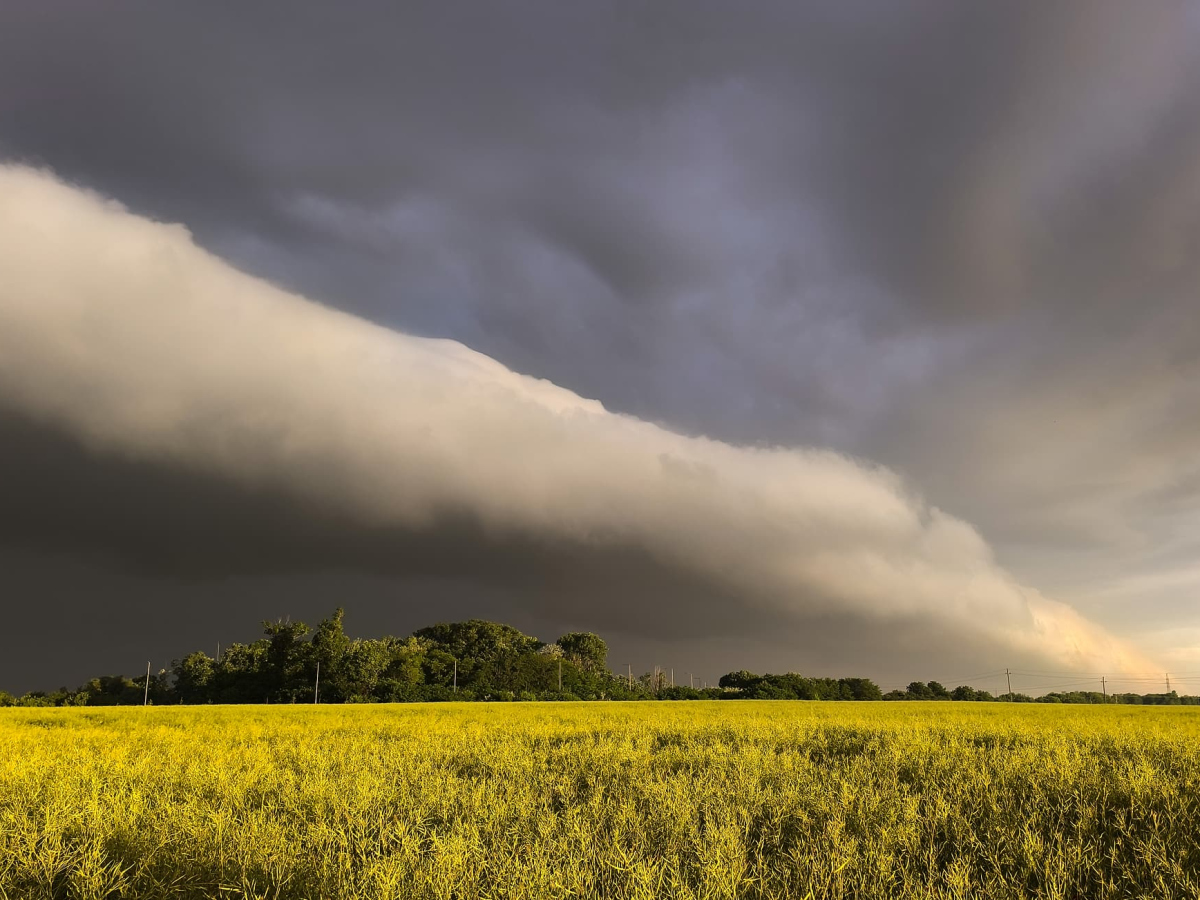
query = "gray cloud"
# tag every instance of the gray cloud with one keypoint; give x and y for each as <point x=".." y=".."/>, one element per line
<point x="122" y="333"/>
<point x="959" y="240"/>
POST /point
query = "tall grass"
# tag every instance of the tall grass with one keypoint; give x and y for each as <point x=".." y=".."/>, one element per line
<point x="699" y="800"/>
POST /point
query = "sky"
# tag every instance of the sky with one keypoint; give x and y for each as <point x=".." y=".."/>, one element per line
<point x="848" y="339"/>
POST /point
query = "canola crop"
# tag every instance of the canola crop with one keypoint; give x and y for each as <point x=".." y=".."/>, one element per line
<point x="639" y="800"/>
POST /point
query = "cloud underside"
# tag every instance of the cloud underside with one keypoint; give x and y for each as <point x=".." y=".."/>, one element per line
<point x="402" y="455"/>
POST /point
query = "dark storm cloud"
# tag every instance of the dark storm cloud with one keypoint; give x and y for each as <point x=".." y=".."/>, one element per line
<point x="920" y="131"/>
<point x="184" y="526"/>
<point x="545" y="183"/>
<point x="157" y="557"/>
<point x="124" y="335"/>
<point x="749" y="225"/>
<point x="959" y="239"/>
<point x="159" y="562"/>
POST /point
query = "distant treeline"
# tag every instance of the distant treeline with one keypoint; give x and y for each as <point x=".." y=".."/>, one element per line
<point x="931" y="690"/>
<point x="472" y="660"/>
<point x="747" y="686"/>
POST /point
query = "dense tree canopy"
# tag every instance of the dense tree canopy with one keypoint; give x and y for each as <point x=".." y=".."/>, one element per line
<point x="472" y="660"/>
<point x="796" y="687"/>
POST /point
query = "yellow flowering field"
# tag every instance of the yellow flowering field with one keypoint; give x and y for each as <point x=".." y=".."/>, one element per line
<point x="639" y="800"/>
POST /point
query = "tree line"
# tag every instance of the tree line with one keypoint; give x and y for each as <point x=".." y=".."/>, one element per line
<point x="932" y="690"/>
<point x="472" y="660"/>
<point x="294" y="663"/>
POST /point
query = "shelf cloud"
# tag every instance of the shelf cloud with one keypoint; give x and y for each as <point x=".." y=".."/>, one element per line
<point x="122" y="334"/>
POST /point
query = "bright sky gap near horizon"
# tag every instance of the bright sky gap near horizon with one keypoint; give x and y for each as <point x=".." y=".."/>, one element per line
<point x="842" y="339"/>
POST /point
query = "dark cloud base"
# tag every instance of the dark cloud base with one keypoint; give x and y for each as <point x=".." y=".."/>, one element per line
<point x="109" y="559"/>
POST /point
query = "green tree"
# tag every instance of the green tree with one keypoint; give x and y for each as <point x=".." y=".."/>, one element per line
<point x="965" y="692"/>
<point x="328" y="647"/>
<point x="404" y="676"/>
<point x="243" y="674"/>
<point x="862" y="689"/>
<point x="194" y="677"/>
<point x="478" y="639"/>
<point x="287" y="661"/>
<point x="938" y="691"/>
<point x="586" y="650"/>
<point x="919" y="690"/>
<point x="361" y="666"/>
<point x="486" y="654"/>
<point x="437" y="668"/>
<point x="112" y="690"/>
<point x="739" y="680"/>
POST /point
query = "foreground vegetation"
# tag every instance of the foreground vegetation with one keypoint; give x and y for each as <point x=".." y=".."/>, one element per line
<point x="779" y="800"/>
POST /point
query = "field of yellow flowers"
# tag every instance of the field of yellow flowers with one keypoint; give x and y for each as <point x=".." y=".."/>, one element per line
<point x="693" y="800"/>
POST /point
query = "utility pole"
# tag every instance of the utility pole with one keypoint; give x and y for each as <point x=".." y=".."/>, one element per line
<point x="317" y="684"/>
<point x="1168" y="674"/>
<point x="1104" y="687"/>
<point x="456" y="675"/>
<point x="691" y="681"/>
<point x="630" y="667"/>
<point x="146" y="696"/>
<point x="1008" y="675"/>
<point x="560" y="675"/>
<point x="672" y="678"/>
